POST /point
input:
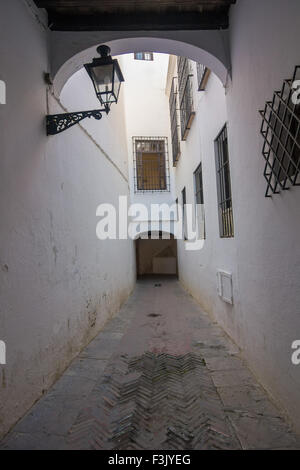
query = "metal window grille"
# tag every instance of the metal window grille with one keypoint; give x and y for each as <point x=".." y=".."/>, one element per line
<point x="151" y="164"/>
<point x="281" y="132"/>
<point x="183" y="197"/>
<point x="199" y="185"/>
<point x="185" y="90"/>
<point x="143" y="56"/>
<point x="203" y="74"/>
<point x="174" y="123"/>
<point x="224" y="185"/>
<point x="199" y="201"/>
<point x="183" y="194"/>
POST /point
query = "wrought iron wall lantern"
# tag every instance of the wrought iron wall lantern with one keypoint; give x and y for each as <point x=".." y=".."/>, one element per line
<point x="107" y="77"/>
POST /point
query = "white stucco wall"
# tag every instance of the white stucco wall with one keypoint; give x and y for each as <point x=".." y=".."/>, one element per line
<point x="264" y="255"/>
<point x="147" y="115"/>
<point x="264" y="53"/>
<point x="197" y="269"/>
<point x="58" y="282"/>
<point x="55" y="274"/>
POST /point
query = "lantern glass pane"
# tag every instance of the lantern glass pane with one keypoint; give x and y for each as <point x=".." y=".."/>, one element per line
<point x="117" y="84"/>
<point x="102" y="77"/>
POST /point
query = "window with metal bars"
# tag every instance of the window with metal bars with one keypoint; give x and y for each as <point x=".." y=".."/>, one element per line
<point x="281" y="132"/>
<point x="198" y="179"/>
<point x="143" y="56"/>
<point x="203" y="74"/>
<point x="224" y="185"/>
<point x="174" y="123"/>
<point x="184" y="228"/>
<point x="151" y="164"/>
<point x="185" y="91"/>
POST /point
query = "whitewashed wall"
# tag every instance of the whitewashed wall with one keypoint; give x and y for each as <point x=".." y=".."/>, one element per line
<point x="265" y="40"/>
<point x="147" y="115"/>
<point x="58" y="282"/>
<point x="264" y="255"/>
<point x="48" y="208"/>
<point x="197" y="269"/>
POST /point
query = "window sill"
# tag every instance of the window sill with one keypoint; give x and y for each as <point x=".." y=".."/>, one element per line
<point x="188" y="126"/>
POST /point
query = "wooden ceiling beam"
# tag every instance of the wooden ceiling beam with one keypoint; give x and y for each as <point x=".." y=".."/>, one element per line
<point x="132" y="15"/>
<point x="139" y="21"/>
<point x="132" y="4"/>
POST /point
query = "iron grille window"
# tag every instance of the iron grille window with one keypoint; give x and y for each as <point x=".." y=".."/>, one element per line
<point x="151" y="164"/>
<point x="203" y="74"/>
<point x="199" y="202"/>
<point x="281" y="132"/>
<point x="143" y="56"/>
<point x="185" y="90"/>
<point x="183" y="194"/>
<point x="174" y="123"/>
<point x="183" y="197"/>
<point x="224" y="185"/>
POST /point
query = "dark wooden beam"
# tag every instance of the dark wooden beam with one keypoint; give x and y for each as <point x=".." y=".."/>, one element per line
<point x="191" y="5"/>
<point x="140" y="21"/>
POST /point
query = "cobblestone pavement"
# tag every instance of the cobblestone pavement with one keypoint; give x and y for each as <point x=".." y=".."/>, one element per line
<point x="161" y="375"/>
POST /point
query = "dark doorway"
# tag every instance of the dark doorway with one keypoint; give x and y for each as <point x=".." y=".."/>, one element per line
<point x="156" y="256"/>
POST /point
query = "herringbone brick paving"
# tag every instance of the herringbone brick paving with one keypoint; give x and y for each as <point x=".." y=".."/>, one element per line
<point x="157" y="401"/>
<point x="162" y="375"/>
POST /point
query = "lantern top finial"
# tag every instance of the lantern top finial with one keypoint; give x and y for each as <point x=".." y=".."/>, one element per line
<point x="103" y="50"/>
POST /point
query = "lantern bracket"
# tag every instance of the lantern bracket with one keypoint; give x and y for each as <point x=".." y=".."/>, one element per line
<point x="57" y="123"/>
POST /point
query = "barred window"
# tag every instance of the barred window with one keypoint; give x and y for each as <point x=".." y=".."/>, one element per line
<point x="281" y="132"/>
<point x="151" y="164"/>
<point x="224" y="185"/>
<point x="143" y="56"/>
<point x="174" y="123"/>
<point x="185" y="90"/>
<point x="184" y="227"/>
<point x="198" y="179"/>
<point x="203" y="74"/>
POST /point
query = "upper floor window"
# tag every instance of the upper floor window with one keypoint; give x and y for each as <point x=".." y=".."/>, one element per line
<point x="184" y="222"/>
<point x="224" y="185"/>
<point x="203" y="74"/>
<point x="185" y="90"/>
<point x="174" y="123"/>
<point x="151" y="164"/>
<point x="143" y="55"/>
<point x="198" y="179"/>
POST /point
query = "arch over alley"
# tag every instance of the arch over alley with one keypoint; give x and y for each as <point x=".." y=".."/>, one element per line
<point x="209" y="48"/>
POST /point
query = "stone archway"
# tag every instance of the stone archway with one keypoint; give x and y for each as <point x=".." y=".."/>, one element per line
<point x="210" y="48"/>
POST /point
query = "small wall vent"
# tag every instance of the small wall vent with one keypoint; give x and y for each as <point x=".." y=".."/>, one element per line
<point x="224" y="282"/>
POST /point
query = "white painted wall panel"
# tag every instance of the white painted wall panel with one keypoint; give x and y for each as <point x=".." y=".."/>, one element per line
<point x="58" y="282"/>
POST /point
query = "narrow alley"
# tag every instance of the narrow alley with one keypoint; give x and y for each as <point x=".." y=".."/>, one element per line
<point x="161" y="375"/>
<point x="149" y="235"/>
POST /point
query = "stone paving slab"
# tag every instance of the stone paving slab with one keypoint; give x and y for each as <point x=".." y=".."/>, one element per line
<point x="262" y="432"/>
<point x="88" y="368"/>
<point x="33" y="441"/>
<point x="224" y="363"/>
<point x="161" y="375"/>
<point x="53" y="414"/>
<point x="231" y="378"/>
<point x="247" y="398"/>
